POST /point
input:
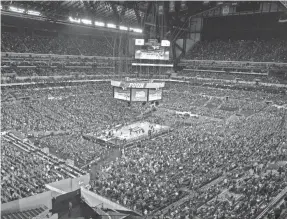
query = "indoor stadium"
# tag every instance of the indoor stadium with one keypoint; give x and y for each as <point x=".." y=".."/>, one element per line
<point x="143" y="109"/>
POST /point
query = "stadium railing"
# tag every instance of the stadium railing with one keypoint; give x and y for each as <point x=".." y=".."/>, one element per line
<point x="37" y="55"/>
<point x="231" y="64"/>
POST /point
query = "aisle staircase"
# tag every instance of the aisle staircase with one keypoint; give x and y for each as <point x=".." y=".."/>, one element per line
<point x="284" y="3"/>
<point x="27" y="214"/>
<point x="37" y="151"/>
<point x="272" y="203"/>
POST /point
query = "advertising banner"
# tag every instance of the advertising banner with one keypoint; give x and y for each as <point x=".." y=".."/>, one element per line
<point x="139" y="95"/>
<point x="122" y="94"/>
<point x="155" y="95"/>
<point x="128" y="84"/>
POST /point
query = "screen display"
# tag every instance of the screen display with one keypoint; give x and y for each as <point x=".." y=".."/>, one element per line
<point x="165" y="43"/>
<point x="139" y="95"/>
<point x="139" y="42"/>
<point x="121" y="94"/>
<point x="152" y="49"/>
<point x="155" y="94"/>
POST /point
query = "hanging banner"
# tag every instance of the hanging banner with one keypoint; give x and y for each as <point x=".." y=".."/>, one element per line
<point x="160" y="8"/>
<point x="225" y="10"/>
<point x="171" y="6"/>
<point x="183" y="5"/>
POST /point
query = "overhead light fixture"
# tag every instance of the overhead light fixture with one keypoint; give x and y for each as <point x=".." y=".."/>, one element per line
<point x="14" y="9"/>
<point x="36" y="13"/>
<point x="100" y="24"/>
<point x="111" y="26"/>
<point x="123" y="28"/>
<point x="85" y="21"/>
<point x="74" y="20"/>
<point x="136" y="30"/>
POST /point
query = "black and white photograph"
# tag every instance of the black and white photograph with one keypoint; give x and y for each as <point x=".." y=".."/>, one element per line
<point x="143" y="109"/>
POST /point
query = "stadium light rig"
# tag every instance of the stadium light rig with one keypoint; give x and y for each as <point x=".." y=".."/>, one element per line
<point x="85" y="21"/>
<point x="123" y="28"/>
<point x="100" y="24"/>
<point x="74" y="20"/>
<point x="36" y="13"/>
<point x="111" y="26"/>
<point x="18" y="10"/>
<point x="136" y="30"/>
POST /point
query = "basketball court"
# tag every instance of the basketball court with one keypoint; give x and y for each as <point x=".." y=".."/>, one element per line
<point x="123" y="134"/>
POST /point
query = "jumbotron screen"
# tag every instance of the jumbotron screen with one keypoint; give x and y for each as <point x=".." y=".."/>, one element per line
<point x="122" y="94"/>
<point x="139" y="95"/>
<point x="155" y="94"/>
<point x="152" y="49"/>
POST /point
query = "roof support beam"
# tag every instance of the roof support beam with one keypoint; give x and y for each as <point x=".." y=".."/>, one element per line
<point x="149" y="7"/>
<point x="137" y="13"/>
<point x="116" y="13"/>
<point x="284" y="3"/>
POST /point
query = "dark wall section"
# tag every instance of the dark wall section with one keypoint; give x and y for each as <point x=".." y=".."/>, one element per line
<point x="262" y="26"/>
<point x="60" y="204"/>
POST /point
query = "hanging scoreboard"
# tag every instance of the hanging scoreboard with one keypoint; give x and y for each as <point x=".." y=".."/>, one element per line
<point x="137" y="91"/>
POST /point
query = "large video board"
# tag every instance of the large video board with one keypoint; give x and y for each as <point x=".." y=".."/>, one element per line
<point x="152" y="49"/>
<point x="155" y="94"/>
<point x="122" y="94"/>
<point x="139" y="95"/>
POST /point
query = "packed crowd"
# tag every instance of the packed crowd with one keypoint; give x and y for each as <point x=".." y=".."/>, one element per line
<point x="158" y="172"/>
<point x="32" y="67"/>
<point x="230" y="163"/>
<point x="62" y="44"/>
<point x="70" y="147"/>
<point x="32" y="73"/>
<point x="152" y="175"/>
<point x="240" y="50"/>
<point x="261" y="51"/>
<point x="255" y="185"/>
<point x="57" y="118"/>
<point x="233" y="76"/>
<point x="24" y="173"/>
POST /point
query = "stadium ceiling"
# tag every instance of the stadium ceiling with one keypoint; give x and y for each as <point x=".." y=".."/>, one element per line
<point x="127" y="13"/>
<point x="119" y="12"/>
<point x="110" y="11"/>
